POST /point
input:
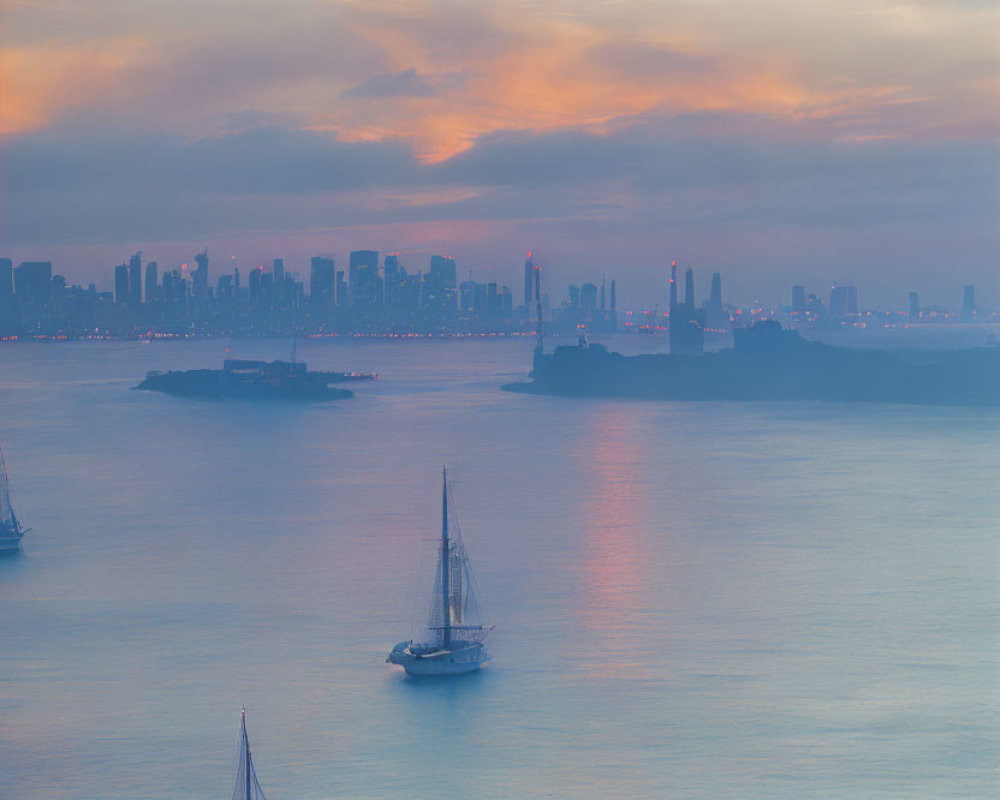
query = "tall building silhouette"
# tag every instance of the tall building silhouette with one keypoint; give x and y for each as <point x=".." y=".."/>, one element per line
<point x="6" y="277"/>
<point x="529" y="278"/>
<point x="122" y="294"/>
<point x="715" y="297"/>
<point x="135" y="279"/>
<point x="152" y="282"/>
<point x="914" y="313"/>
<point x="673" y="287"/>
<point x="200" y="278"/>
<point x="363" y="277"/>
<point x="686" y="323"/>
<point x="799" y="300"/>
<point x="614" y="300"/>
<point x="969" y="302"/>
<point x="321" y="274"/>
<point x="844" y="302"/>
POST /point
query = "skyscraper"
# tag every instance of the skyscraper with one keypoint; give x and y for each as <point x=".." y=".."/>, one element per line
<point x="673" y="286"/>
<point x="914" y="313"/>
<point x="969" y="303"/>
<point x="844" y="301"/>
<point x="614" y="303"/>
<point x="799" y="300"/>
<point x="6" y="277"/>
<point x="390" y="269"/>
<point x="363" y="277"/>
<point x="122" y="294"/>
<point x="33" y="282"/>
<point x="135" y="279"/>
<point x="715" y="298"/>
<point x="152" y="282"/>
<point x="529" y="278"/>
<point x="441" y="283"/>
<point x="321" y="275"/>
<point x="689" y="288"/>
<point x="200" y="277"/>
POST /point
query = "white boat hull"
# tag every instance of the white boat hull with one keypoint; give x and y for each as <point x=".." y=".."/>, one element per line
<point x="439" y="662"/>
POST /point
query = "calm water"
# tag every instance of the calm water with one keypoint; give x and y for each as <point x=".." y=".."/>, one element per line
<point x="693" y="601"/>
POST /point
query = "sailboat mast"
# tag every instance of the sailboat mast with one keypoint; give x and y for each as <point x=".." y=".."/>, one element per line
<point x="247" y="769"/>
<point x="6" y="488"/>
<point x="445" y="562"/>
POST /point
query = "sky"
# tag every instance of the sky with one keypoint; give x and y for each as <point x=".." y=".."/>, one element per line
<point x="776" y="141"/>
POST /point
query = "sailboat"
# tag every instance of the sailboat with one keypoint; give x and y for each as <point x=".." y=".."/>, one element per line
<point x="246" y="787"/>
<point x="454" y="638"/>
<point x="11" y="531"/>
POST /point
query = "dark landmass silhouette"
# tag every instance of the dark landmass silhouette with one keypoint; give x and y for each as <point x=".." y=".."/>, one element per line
<point x="772" y="363"/>
<point x="257" y="380"/>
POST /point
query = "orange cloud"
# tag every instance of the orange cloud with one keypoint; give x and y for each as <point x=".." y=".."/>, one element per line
<point x="37" y="83"/>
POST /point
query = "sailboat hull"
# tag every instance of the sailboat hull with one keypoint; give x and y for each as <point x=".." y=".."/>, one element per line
<point x="439" y="662"/>
<point x="10" y="541"/>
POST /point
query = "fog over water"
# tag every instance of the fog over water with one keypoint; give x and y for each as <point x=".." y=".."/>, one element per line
<point x="716" y="600"/>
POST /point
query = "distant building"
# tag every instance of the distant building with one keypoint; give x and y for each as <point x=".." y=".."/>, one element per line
<point x="342" y="296"/>
<point x="152" y="282"/>
<point x="321" y="276"/>
<point x="969" y="303"/>
<point x="686" y="323"/>
<point x="715" y="297"/>
<point x="843" y="302"/>
<point x="799" y="300"/>
<point x="529" y="279"/>
<point x="122" y="295"/>
<point x="6" y="277"/>
<point x="135" y="279"/>
<point x="364" y="278"/>
<point x="200" y="277"/>
<point x="914" y="313"/>
<point x="393" y="278"/>
<point x="614" y="299"/>
<point x="588" y="299"/>
<point x="441" y="283"/>
<point x="33" y="282"/>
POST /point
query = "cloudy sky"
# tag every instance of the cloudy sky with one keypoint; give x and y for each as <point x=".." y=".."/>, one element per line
<point x="778" y="141"/>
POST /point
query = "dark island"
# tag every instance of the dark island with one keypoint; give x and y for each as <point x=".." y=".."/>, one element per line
<point x="771" y="363"/>
<point x="255" y="380"/>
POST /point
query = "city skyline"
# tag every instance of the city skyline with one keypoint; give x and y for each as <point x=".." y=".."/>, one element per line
<point x="777" y="144"/>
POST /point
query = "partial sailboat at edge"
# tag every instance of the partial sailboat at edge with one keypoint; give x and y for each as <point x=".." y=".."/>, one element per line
<point x="11" y="531"/>
<point x="454" y="639"/>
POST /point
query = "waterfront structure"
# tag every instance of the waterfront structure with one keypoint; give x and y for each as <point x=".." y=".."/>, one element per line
<point x="913" y="313"/>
